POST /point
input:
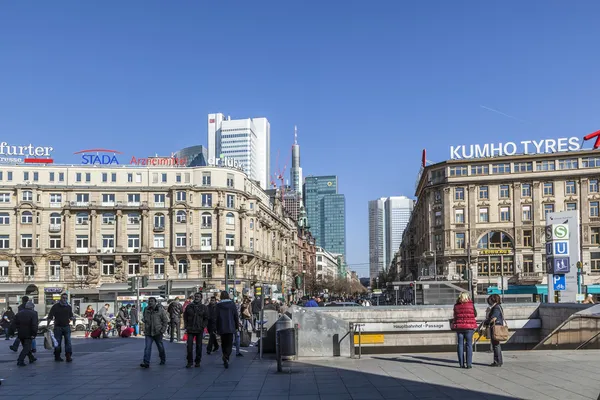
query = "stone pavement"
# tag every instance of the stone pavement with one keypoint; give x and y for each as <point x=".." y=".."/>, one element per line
<point x="109" y="369"/>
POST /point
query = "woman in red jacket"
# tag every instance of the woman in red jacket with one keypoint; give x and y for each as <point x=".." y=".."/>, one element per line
<point x="464" y="324"/>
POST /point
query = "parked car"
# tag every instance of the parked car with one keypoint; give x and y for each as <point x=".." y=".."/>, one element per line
<point x="80" y="323"/>
<point x="342" y="304"/>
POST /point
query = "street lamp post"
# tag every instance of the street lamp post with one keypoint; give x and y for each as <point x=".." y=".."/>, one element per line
<point x="303" y="282"/>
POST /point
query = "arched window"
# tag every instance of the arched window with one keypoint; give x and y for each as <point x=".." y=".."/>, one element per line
<point x="55" y="219"/>
<point x="26" y="217"/>
<point x="82" y="218"/>
<point x="180" y="216"/>
<point x="495" y="240"/>
<point x="206" y="220"/>
<point x="159" y="220"/>
<point x="230" y="219"/>
<point x="251" y="224"/>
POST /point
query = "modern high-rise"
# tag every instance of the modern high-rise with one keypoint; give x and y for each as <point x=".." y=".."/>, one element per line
<point x="246" y="141"/>
<point x="388" y="217"/>
<point x="296" y="170"/>
<point x="326" y="212"/>
<point x="194" y="156"/>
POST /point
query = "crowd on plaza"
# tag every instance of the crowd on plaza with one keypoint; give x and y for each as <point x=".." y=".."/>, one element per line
<point x="219" y="317"/>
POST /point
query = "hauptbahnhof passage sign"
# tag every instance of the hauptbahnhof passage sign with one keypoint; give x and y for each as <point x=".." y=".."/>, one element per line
<point x="421" y="326"/>
<point x="463" y="151"/>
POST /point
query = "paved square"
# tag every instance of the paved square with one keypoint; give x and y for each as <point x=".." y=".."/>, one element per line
<point x="109" y="369"/>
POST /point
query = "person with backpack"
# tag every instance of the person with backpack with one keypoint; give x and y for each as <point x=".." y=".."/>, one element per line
<point x="175" y="311"/>
<point x="195" y="319"/>
<point x="26" y="324"/>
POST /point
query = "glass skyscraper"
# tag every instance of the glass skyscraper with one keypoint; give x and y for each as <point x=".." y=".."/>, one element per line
<point x="326" y="212"/>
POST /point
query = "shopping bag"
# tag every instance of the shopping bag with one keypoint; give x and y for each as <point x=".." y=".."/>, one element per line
<point x="54" y="341"/>
<point x="48" y="345"/>
<point x="245" y="338"/>
<point x="184" y="337"/>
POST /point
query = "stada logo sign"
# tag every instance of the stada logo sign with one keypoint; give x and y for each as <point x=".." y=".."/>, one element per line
<point x="99" y="156"/>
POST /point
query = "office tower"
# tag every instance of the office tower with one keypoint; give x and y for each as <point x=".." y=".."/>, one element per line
<point x="194" y="156"/>
<point x="388" y="218"/>
<point x="326" y="212"/>
<point x="296" y="170"/>
<point x="244" y="140"/>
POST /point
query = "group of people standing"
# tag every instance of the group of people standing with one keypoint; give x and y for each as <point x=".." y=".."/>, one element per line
<point x="465" y="325"/>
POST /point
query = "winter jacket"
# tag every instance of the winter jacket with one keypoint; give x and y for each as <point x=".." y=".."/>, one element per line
<point x="122" y="317"/>
<point x="156" y="320"/>
<point x="26" y="323"/>
<point x="133" y="316"/>
<point x="311" y="303"/>
<point x="245" y="311"/>
<point x="7" y="319"/>
<point x="103" y="315"/>
<point x="464" y="317"/>
<point x="495" y="312"/>
<point x="175" y="310"/>
<point x="212" y="317"/>
<point x="227" y="317"/>
<point x="62" y="314"/>
<point x="256" y="305"/>
<point x="89" y="314"/>
<point x="195" y="318"/>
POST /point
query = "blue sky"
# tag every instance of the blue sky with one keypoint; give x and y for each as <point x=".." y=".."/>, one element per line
<point x="369" y="84"/>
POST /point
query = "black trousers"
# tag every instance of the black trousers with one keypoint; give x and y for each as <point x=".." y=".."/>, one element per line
<point x="226" y="345"/>
<point x="26" y="351"/>
<point x="213" y="345"/>
<point x="190" y="347"/>
<point x="175" y="327"/>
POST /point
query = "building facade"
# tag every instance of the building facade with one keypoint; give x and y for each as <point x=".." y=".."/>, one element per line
<point x="489" y="214"/>
<point x="86" y="227"/>
<point x="327" y="265"/>
<point x="388" y="217"/>
<point x="247" y="141"/>
<point x="326" y="212"/>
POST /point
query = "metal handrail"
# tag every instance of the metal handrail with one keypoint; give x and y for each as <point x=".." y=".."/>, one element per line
<point x="587" y="341"/>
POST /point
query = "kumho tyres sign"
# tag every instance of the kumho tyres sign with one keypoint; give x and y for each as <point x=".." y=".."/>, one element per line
<point x="487" y="150"/>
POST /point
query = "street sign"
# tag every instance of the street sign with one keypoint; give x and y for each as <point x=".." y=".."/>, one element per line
<point x="560" y="231"/>
<point x="503" y="282"/>
<point x="548" y="233"/>
<point x="560" y="283"/>
<point x="560" y="248"/>
<point x="396" y="287"/>
<point x="558" y="265"/>
<point x="549" y="248"/>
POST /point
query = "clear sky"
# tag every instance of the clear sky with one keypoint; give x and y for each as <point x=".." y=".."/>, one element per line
<point x="369" y="84"/>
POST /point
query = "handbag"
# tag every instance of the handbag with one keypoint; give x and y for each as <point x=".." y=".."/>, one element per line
<point x="48" y="345"/>
<point x="500" y="332"/>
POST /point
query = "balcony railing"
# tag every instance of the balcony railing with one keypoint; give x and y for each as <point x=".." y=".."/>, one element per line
<point x="206" y="226"/>
<point x="182" y="276"/>
<point x="133" y="249"/>
<point x="206" y="248"/>
<point x="108" y="203"/>
<point x="29" y="278"/>
<point x="79" y="203"/>
<point x="159" y="205"/>
<point x="82" y="250"/>
<point x="54" y="228"/>
<point x="54" y="278"/>
<point x="3" y="278"/>
<point x="159" y="228"/>
<point x="56" y="205"/>
<point x="107" y="250"/>
<point x="159" y="276"/>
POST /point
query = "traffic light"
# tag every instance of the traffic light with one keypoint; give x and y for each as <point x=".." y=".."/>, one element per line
<point x="131" y="284"/>
<point x="144" y="281"/>
<point x="257" y="291"/>
<point x="165" y="290"/>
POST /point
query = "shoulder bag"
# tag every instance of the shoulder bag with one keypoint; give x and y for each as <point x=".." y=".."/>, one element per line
<point x="500" y="332"/>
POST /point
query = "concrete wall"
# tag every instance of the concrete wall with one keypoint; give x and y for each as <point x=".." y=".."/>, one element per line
<point x="552" y="315"/>
<point x="323" y="331"/>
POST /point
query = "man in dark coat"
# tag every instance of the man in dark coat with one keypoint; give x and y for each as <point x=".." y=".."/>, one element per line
<point x="213" y="345"/>
<point x="15" y="346"/>
<point x="195" y="320"/>
<point x="26" y="323"/>
<point x="175" y="310"/>
<point x="256" y="307"/>
<point x="228" y="322"/>
<point x="63" y="315"/>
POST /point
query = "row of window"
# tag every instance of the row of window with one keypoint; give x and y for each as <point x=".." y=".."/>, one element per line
<point x="82" y="242"/>
<point x="504" y="190"/>
<point x="505" y="213"/>
<point x="523" y="166"/>
<point x="108" y="199"/>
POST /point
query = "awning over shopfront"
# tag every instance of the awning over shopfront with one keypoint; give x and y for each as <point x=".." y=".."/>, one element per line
<point x="593" y="289"/>
<point x="84" y="291"/>
<point x="520" y="289"/>
<point x="18" y="288"/>
<point x="152" y="286"/>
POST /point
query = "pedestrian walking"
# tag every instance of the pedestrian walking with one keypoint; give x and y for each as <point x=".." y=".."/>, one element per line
<point x="7" y="319"/>
<point x="156" y="322"/>
<point x="15" y="346"/>
<point x="256" y="308"/>
<point x="496" y="317"/>
<point x="26" y="324"/>
<point x="89" y="314"/>
<point x="175" y="311"/>
<point x="122" y="319"/>
<point x="103" y="319"/>
<point x="133" y="320"/>
<point x="227" y="325"/>
<point x="464" y="324"/>
<point x="187" y="302"/>
<point x="62" y="313"/>
<point x="246" y="313"/>
<point x="213" y="345"/>
<point x="195" y="320"/>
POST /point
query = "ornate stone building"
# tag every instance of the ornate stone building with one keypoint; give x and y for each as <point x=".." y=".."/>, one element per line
<point x="84" y="228"/>
<point x="490" y="214"/>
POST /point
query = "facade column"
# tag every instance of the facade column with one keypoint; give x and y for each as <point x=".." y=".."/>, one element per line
<point x="66" y="228"/>
<point x="120" y="235"/>
<point x="145" y="232"/>
<point x="220" y="230"/>
<point x="93" y="230"/>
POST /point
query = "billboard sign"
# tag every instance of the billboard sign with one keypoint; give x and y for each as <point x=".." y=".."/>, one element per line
<point x="27" y="154"/>
<point x="99" y="156"/>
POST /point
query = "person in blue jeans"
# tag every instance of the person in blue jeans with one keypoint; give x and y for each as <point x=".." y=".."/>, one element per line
<point x="464" y="324"/>
<point x="62" y="313"/>
<point x="156" y="322"/>
<point x="15" y="346"/>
